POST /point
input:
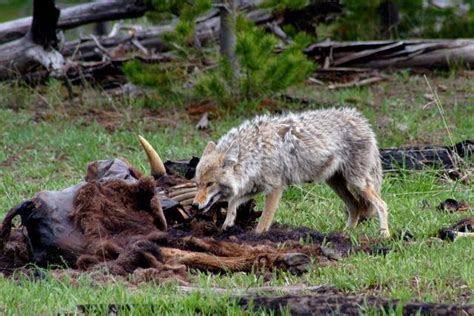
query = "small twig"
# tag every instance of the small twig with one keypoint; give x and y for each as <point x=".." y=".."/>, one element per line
<point x="360" y="83"/>
<point x="140" y="46"/>
<point x="76" y="49"/>
<point x="104" y="51"/>
<point x="440" y="109"/>
<point x="277" y="31"/>
<point x="316" y="81"/>
<point x="115" y="29"/>
<point x="427" y="105"/>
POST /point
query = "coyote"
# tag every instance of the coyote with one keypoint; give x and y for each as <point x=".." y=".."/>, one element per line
<point x="268" y="153"/>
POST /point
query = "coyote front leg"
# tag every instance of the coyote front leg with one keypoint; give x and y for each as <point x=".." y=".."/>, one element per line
<point x="232" y="211"/>
<point x="271" y="205"/>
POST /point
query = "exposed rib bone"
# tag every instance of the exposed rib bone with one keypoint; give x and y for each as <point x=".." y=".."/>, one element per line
<point x="185" y="196"/>
<point x="464" y="234"/>
<point x="188" y="193"/>
<point x="185" y="185"/>
<point x="156" y="165"/>
<point x="183" y="213"/>
<point x="186" y="202"/>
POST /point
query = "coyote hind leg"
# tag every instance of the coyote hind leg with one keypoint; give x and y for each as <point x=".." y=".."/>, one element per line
<point x="339" y="185"/>
<point x="374" y="200"/>
<point x="271" y="205"/>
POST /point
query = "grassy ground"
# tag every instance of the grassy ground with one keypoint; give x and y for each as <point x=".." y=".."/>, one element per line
<point x="46" y="142"/>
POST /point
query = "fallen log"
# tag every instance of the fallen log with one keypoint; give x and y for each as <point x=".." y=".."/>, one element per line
<point x="341" y="304"/>
<point x="261" y="290"/>
<point x="394" y="54"/>
<point x="207" y="29"/>
<point x="419" y="157"/>
<point x="79" y="15"/>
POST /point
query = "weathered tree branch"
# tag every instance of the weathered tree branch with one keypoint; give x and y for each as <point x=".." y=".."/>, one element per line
<point x="79" y="15"/>
<point x="394" y="54"/>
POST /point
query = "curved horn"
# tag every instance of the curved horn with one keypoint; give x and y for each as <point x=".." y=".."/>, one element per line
<point x="156" y="165"/>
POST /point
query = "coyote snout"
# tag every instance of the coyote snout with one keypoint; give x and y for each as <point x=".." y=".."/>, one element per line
<point x="207" y="195"/>
<point x="266" y="154"/>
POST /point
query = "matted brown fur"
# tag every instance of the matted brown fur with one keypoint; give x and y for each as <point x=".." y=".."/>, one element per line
<point x="122" y="232"/>
<point x="114" y="208"/>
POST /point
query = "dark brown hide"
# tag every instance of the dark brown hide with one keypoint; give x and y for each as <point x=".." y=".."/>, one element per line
<point x="105" y="210"/>
<point x="122" y="230"/>
<point x="220" y="256"/>
<point x="115" y="218"/>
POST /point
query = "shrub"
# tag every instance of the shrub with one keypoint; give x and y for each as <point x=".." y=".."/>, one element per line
<point x="262" y="69"/>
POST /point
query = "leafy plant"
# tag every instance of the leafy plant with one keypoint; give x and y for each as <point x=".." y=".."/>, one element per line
<point x="263" y="68"/>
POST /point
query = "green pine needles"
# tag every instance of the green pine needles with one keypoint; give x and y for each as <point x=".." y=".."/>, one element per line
<point x="262" y="68"/>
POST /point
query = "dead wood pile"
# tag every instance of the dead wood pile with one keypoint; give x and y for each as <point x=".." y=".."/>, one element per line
<point x="34" y="58"/>
<point x="40" y="52"/>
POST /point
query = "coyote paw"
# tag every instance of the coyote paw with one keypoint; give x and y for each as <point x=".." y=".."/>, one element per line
<point x="385" y="233"/>
<point x="227" y="224"/>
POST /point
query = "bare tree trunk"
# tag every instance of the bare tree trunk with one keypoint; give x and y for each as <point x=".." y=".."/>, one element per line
<point x="389" y="19"/>
<point x="38" y="46"/>
<point x="227" y="36"/>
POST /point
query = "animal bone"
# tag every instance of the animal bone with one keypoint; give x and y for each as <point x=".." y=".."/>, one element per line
<point x="174" y="192"/>
<point x="156" y="164"/>
<point x="182" y="194"/>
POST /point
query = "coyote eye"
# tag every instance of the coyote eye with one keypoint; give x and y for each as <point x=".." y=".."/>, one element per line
<point x="209" y="184"/>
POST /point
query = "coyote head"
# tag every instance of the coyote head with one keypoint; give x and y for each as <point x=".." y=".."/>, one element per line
<point x="215" y="176"/>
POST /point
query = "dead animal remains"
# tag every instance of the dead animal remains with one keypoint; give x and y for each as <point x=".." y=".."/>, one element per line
<point x="121" y="220"/>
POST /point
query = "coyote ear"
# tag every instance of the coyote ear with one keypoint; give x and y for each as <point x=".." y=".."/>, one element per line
<point x="231" y="155"/>
<point x="209" y="148"/>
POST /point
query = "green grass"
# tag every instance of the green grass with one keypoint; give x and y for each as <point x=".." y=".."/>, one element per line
<point x="46" y="143"/>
